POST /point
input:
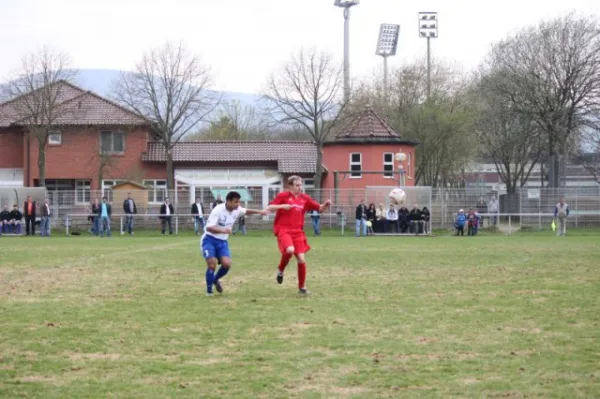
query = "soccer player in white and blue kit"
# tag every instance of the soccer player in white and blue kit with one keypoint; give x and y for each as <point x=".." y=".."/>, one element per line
<point x="214" y="244"/>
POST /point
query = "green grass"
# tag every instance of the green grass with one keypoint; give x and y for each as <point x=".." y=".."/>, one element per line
<point x="491" y="316"/>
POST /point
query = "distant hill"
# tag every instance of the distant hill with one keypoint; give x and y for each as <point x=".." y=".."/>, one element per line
<point x="100" y="81"/>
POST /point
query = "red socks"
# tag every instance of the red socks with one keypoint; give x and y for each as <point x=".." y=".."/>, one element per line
<point x="301" y="274"/>
<point x="285" y="259"/>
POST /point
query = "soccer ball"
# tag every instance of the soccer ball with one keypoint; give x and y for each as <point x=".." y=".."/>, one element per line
<point x="397" y="196"/>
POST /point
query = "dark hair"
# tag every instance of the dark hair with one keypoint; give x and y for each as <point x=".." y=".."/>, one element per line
<point x="233" y="195"/>
<point x="104" y="198"/>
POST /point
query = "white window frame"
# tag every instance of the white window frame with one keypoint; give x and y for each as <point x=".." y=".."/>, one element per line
<point x="55" y="138"/>
<point x="388" y="174"/>
<point x="154" y="189"/>
<point x="112" y="151"/>
<point x="83" y="190"/>
<point x="356" y="175"/>
<point x="107" y="186"/>
<point x="309" y="183"/>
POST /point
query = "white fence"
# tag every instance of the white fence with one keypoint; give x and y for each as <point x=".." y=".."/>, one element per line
<point x="525" y="209"/>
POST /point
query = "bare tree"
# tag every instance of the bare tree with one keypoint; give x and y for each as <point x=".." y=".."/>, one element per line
<point x="306" y="92"/>
<point x="235" y="121"/>
<point x="38" y="93"/>
<point x="551" y="74"/>
<point x="511" y="139"/>
<point x="589" y="153"/>
<point x="170" y="87"/>
<point x="442" y="125"/>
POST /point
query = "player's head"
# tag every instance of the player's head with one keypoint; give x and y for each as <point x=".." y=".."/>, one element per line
<point x="232" y="200"/>
<point x="295" y="184"/>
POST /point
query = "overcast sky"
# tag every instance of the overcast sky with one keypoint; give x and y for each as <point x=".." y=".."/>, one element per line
<point x="243" y="41"/>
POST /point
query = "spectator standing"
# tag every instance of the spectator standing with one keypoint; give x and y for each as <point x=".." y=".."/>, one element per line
<point x="241" y="225"/>
<point x="198" y="214"/>
<point x="105" y="212"/>
<point x="316" y="221"/>
<point x="46" y="214"/>
<point x="166" y="214"/>
<point x="459" y="223"/>
<point x="217" y="202"/>
<point x="130" y="209"/>
<point x="493" y="209"/>
<point x="29" y="208"/>
<point x="471" y="216"/>
<point x="96" y="217"/>
<point x="561" y="213"/>
<point x="481" y="208"/>
<point x="361" y="218"/>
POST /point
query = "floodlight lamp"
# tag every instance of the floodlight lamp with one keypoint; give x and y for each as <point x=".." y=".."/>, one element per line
<point x="388" y="39"/>
<point x="346" y="3"/>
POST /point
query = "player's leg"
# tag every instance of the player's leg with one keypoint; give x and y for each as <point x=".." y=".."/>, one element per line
<point x="209" y="253"/>
<point x="224" y="257"/>
<point x="286" y="247"/>
<point x="302" y="247"/>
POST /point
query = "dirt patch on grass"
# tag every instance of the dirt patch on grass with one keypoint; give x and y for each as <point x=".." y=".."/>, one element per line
<point x="94" y="356"/>
<point x="36" y="378"/>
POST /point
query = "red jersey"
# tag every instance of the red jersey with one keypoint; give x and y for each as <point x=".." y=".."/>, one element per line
<point x="292" y="220"/>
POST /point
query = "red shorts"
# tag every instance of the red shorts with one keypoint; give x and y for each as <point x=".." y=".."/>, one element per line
<point x="296" y="239"/>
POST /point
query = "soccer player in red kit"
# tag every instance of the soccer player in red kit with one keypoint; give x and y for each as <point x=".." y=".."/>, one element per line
<point x="291" y="205"/>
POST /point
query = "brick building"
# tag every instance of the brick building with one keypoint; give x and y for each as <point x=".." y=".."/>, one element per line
<point x="98" y="144"/>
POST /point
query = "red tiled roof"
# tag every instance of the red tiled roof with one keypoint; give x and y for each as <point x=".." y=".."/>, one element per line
<point x="291" y="156"/>
<point x="75" y="106"/>
<point x="368" y="125"/>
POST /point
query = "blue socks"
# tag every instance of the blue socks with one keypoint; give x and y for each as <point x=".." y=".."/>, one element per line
<point x="210" y="278"/>
<point x="221" y="273"/>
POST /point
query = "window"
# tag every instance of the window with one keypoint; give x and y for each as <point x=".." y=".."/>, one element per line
<point x="309" y="183"/>
<point x="355" y="165"/>
<point x="388" y="165"/>
<point x="55" y="138"/>
<point x="157" y="191"/>
<point x="112" y="142"/>
<point x="82" y="191"/>
<point x="107" y="186"/>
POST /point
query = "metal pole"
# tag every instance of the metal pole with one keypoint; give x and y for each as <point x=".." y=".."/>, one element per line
<point x="385" y="79"/>
<point x="346" y="54"/>
<point x="428" y="67"/>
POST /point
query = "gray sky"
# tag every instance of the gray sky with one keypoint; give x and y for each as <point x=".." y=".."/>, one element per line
<point x="243" y="41"/>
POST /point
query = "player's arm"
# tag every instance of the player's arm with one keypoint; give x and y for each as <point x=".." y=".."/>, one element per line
<point x="274" y="208"/>
<point x="256" y="212"/>
<point x="324" y="206"/>
<point x="278" y="203"/>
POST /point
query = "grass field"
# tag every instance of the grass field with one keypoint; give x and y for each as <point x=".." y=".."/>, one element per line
<point x="394" y="317"/>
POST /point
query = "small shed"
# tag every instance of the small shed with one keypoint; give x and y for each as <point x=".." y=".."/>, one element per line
<point x="138" y="191"/>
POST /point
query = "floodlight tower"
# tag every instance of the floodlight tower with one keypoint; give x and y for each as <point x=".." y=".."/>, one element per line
<point x="386" y="47"/>
<point x="346" y="4"/>
<point x="428" y="28"/>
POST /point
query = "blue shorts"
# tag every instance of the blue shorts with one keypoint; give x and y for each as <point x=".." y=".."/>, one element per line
<point x="214" y="248"/>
